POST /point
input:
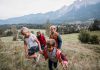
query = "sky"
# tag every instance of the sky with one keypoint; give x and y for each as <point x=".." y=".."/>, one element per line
<point x="16" y="8"/>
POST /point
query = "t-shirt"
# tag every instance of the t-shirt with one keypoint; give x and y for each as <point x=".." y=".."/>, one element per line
<point x="52" y="55"/>
<point x="31" y="41"/>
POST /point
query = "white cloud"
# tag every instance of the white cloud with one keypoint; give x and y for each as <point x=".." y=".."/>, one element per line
<point x="15" y="8"/>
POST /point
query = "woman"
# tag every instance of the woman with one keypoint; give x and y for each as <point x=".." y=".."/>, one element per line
<point x="56" y="36"/>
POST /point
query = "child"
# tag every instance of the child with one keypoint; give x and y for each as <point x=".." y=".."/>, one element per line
<point x="41" y="39"/>
<point x="31" y="43"/>
<point x="55" y="35"/>
<point x="54" y="55"/>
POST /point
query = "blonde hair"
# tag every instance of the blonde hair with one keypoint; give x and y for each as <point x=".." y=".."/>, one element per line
<point x="24" y="29"/>
<point x="54" y="27"/>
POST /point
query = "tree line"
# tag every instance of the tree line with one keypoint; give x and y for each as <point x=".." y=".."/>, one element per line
<point x="5" y="30"/>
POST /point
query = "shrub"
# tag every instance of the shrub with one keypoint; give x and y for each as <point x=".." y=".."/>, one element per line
<point x="47" y="27"/>
<point x="9" y="33"/>
<point x="21" y="37"/>
<point x="94" y="39"/>
<point x="84" y="36"/>
<point x="1" y="32"/>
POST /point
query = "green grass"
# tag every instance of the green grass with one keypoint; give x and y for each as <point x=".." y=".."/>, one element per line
<point x="70" y="37"/>
<point x="36" y="30"/>
<point x="95" y="33"/>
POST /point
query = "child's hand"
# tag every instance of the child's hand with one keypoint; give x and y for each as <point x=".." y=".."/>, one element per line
<point x="41" y="52"/>
<point x="65" y="64"/>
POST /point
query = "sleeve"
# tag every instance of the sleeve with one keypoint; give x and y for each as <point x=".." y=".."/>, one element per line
<point x="33" y="37"/>
<point x="45" y="54"/>
<point x="63" y="57"/>
<point x="59" y="41"/>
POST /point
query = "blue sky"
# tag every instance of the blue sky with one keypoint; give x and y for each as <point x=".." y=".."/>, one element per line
<point x="16" y="8"/>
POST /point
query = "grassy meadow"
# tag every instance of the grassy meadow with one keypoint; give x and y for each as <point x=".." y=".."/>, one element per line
<point x="95" y="33"/>
<point x="80" y="56"/>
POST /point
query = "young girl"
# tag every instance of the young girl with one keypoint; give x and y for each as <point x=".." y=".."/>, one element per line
<point x="41" y="39"/>
<point x="31" y="43"/>
<point x="54" y="55"/>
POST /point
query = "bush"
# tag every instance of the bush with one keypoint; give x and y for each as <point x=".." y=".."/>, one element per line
<point x="9" y="33"/>
<point x="84" y="36"/>
<point x="94" y="39"/>
<point x="1" y="32"/>
<point x="21" y="37"/>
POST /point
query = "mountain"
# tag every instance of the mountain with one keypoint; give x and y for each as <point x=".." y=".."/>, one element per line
<point x="80" y="13"/>
<point x="2" y="22"/>
<point x="80" y="10"/>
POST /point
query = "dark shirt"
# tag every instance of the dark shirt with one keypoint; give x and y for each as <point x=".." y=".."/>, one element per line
<point x="59" y="41"/>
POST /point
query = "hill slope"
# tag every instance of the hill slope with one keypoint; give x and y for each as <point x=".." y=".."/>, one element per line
<point x="80" y="58"/>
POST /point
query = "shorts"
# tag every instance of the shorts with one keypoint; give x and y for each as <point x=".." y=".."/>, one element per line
<point x="42" y="47"/>
<point x="32" y="50"/>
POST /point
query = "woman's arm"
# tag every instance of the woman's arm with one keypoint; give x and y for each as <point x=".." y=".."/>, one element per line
<point x="59" y="42"/>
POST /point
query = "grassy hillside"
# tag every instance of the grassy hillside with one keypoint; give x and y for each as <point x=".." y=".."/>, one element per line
<point x="95" y="33"/>
<point x="80" y="56"/>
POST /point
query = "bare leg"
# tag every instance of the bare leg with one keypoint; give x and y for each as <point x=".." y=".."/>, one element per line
<point x="33" y="56"/>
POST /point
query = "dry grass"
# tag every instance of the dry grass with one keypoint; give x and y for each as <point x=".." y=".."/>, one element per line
<point x="80" y="57"/>
<point x="12" y="58"/>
